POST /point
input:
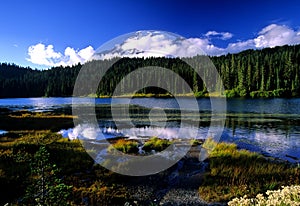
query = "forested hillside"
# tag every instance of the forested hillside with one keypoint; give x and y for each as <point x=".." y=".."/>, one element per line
<point x="270" y="72"/>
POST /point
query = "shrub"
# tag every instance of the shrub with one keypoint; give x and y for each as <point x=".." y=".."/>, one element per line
<point x="200" y="94"/>
<point x="45" y="188"/>
<point x="278" y="92"/>
<point x="242" y="92"/>
<point x="261" y="94"/>
<point x="231" y="93"/>
<point x="15" y="168"/>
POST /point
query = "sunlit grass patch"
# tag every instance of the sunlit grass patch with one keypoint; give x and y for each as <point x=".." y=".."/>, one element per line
<point x="196" y="142"/>
<point x="235" y="173"/>
<point x="156" y="144"/>
<point x="125" y="146"/>
<point x="17" y="154"/>
<point x="28" y="114"/>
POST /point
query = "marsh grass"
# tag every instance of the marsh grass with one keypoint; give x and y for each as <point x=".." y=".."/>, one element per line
<point x="17" y="154"/>
<point x="125" y="146"/>
<point x="27" y="114"/>
<point x="235" y="173"/>
<point x="156" y="144"/>
<point x="26" y="120"/>
<point x="196" y="142"/>
<point x="131" y="146"/>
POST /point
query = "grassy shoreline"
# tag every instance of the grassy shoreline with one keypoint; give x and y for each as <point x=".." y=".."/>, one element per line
<point x="230" y="173"/>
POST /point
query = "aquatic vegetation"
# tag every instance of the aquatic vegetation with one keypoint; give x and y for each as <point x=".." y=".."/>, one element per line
<point x="26" y="120"/>
<point x="195" y="142"/>
<point x="125" y="146"/>
<point x="234" y="173"/>
<point x="156" y="144"/>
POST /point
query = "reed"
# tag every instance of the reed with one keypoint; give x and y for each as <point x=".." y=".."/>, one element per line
<point x="235" y="173"/>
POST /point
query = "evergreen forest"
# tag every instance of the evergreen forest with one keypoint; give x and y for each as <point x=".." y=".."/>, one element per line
<point x="270" y="72"/>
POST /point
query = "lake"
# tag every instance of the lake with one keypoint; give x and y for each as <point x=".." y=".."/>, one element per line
<point x="269" y="126"/>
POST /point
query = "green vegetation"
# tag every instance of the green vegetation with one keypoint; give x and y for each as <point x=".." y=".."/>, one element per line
<point x="195" y="142"/>
<point x="69" y="171"/>
<point x="26" y="120"/>
<point x="28" y="160"/>
<point x="46" y="188"/>
<point x="125" y="146"/>
<point x="235" y="173"/>
<point x="156" y="144"/>
<point x="63" y="167"/>
<point x="131" y="146"/>
<point x="270" y="72"/>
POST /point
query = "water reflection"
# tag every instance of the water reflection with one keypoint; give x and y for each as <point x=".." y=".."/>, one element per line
<point x="270" y="126"/>
<point x="276" y="137"/>
<point x="272" y="136"/>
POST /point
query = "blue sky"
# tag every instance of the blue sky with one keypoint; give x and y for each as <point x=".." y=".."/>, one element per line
<point x="77" y="28"/>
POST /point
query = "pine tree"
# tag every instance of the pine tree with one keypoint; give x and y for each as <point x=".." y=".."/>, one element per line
<point x="46" y="188"/>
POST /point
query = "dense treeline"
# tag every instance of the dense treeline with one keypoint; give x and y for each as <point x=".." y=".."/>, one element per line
<point x="16" y="81"/>
<point x="270" y="72"/>
<point x="261" y="73"/>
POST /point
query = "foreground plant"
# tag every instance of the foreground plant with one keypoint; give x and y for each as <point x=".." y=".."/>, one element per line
<point x="156" y="144"/>
<point x="234" y="173"/>
<point x="125" y="146"/>
<point x="46" y="188"/>
<point x="288" y="195"/>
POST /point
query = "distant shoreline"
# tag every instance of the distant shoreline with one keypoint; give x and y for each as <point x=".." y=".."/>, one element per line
<point x="226" y="94"/>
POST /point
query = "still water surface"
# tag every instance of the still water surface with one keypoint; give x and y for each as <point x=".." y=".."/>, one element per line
<point x="270" y="126"/>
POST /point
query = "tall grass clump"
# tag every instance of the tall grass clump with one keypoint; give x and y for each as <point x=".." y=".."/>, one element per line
<point x="17" y="173"/>
<point x="125" y="146"/>
<point x="235" y="173"/>
<point x="156" y="144"/>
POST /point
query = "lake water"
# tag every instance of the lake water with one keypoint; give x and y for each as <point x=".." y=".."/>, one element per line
<point x="269" y="126"/>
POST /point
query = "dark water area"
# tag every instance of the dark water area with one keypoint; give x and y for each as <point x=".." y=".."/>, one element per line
<point x="269" y="126"/>
<point x="235" y="105"/>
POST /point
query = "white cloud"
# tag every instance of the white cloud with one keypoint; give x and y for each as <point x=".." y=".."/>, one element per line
<point x="220" y="35"/>
<point x="270" y="36"/>
<point x="276" y="35"/>
<point x="86" y="53"/>
<point x="240" y="46"/>
<point x="157" y="44"/>
<point x="45" y="55"/>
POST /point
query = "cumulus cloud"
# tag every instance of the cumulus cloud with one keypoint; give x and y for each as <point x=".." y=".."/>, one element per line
<point x="160" y="44"/>
<point x="157" y="44"/>
<point x="240" y="46"/>
<point x="46" y="55"/>
<point x="220" y="35"/>
<point x="276" y="35"/>
<point x="270" y="36"/>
